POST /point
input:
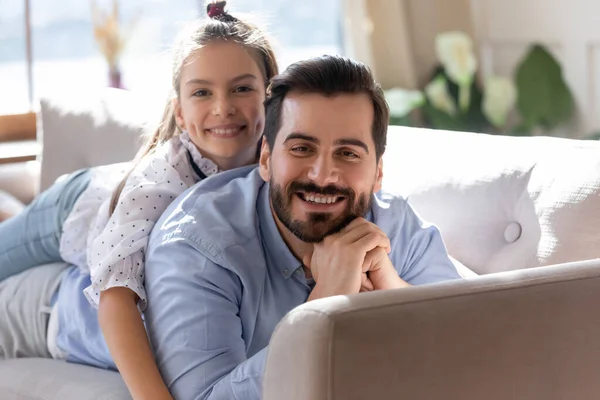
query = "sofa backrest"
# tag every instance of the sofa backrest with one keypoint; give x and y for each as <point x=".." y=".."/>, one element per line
<point x="502" y="203"/>
<point x="527" y="334"/>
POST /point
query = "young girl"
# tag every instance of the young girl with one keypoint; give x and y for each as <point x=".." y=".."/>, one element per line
<point x="213" y="123"/>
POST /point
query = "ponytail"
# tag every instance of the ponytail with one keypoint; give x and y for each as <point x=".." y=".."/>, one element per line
<point x="167" y="128"/>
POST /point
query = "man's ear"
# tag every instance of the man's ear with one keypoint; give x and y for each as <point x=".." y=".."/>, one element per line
<point x="378" y="176"/>
<point x="177" y="112"/>
<point x="264" y="161"/>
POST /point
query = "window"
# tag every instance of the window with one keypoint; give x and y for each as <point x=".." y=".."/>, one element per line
<point x="65" y="54"/>
<point x="13" y="65"/>
<point x="300" y="29"/>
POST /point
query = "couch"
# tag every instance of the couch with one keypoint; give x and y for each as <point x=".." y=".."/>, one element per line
<point x="518" y="215"/>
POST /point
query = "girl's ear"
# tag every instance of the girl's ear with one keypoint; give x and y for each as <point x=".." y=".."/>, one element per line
<point x="178" y="114"/>
<point x="264" y="161"/>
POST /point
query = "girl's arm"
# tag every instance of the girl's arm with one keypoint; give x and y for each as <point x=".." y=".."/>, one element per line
<point x="116" y="262"/>
<point x="125" y="335"/>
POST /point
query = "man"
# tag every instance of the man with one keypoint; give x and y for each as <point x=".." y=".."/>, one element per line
<point x="240" y="250"/>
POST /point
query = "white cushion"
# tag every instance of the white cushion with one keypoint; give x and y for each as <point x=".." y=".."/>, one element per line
<point x="501" y="203"/>
<point x="462" y="183"/>
<point x="84" y="129"/>
<point x="565" y="186"/>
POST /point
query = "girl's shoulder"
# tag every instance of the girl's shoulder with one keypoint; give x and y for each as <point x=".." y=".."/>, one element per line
<point x="170" y="150"/>
<point x="167" y="163"/>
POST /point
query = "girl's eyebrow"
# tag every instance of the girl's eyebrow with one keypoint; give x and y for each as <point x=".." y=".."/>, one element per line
<point x="208" y="83"/>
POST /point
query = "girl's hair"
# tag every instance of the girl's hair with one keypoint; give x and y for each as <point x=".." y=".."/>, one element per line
<point x="220" y="25"/>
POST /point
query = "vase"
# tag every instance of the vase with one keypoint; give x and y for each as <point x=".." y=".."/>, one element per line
<point x="114" y="78"/>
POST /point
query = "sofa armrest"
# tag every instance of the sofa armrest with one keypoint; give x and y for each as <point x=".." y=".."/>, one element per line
<point x="20" y="180"/>
<point x="520" y="335"/>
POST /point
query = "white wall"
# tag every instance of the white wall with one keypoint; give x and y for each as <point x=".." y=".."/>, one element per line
<point x="569" y="28"/>
<point x="401" y="35"/>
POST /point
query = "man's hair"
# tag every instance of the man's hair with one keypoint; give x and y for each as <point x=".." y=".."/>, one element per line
<point x="327" y="75"/>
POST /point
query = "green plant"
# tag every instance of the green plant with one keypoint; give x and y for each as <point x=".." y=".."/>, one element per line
<point x="454" y="100"/>
<point x="544" y="98"/>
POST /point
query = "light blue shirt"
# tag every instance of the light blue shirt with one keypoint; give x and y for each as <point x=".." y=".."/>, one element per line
<point x="219" y="278"/>
<point x="79" y="333"/>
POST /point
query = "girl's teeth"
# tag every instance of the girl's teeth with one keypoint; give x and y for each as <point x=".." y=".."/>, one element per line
<point x="225" y="131"/>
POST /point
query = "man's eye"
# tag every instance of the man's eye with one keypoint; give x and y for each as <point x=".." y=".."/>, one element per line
<point x="243" y="89"/>
<point x="201" y="93"/>
<point x="349" y="154"/>
<point x="300" y="149"/>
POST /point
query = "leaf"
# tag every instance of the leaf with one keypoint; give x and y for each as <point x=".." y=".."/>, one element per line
<point x="401" y="121"/>
<point x="593" y="136"/>
<point x="440" y="120"/>
<point x="543" y="96"/>
<point x="474" y="120"/>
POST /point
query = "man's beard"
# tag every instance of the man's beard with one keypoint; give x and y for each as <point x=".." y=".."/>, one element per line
<point x="318" y="225"/>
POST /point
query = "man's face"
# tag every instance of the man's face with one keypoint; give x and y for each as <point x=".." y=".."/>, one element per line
<point x="322" y="168"/>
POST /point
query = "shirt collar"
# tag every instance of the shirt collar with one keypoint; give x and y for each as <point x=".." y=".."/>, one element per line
<point x="284" y="259"/>
<point x="207" y="166"/>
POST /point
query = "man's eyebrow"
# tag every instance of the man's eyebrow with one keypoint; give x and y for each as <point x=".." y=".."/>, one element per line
<point x="352" y="142"/>
<point x="339" y="142"/>
<point x="301" y="136"/>
<point x="207" y="82"/>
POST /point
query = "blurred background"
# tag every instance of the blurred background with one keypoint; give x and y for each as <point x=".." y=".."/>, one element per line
<point x="514" y="67"/>
<point x="65" y="52"/>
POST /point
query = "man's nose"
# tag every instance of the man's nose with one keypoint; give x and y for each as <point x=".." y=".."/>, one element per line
<point x="223" y="106"/>
<point x="324" y="171"/>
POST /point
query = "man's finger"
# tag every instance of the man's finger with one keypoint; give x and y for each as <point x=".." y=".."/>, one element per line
<point x="360" y="231"/>
<point x="371" y="241"/>
<point x="366" y="283"/>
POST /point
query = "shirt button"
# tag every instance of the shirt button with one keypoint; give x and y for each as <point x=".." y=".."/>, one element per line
<point x="512" y="233"/>
<point x="299" y="272"/>
<point x="286" y="272"/>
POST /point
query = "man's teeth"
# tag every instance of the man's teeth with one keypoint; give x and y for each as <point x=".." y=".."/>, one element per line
<point x="320" y="199"/>
<point x="228" y="131"/>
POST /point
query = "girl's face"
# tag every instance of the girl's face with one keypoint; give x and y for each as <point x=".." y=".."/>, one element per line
<point x="222" y="90"/>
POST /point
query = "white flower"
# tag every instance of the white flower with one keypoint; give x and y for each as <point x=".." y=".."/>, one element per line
<point x="402" y="102"/>
<point x="455" y="52"/>
<point x="499" y="97"/>
<point x="437" y="93"/>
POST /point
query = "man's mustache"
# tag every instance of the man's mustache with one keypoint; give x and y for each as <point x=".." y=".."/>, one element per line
<point x="329" y="190"/>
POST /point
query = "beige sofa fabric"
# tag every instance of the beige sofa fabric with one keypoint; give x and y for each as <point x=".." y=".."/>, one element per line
<point x="44" y="379"/>
<point x="527" y="334"/>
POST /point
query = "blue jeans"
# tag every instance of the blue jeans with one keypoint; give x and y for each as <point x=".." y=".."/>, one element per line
<point x="32" y="237"/>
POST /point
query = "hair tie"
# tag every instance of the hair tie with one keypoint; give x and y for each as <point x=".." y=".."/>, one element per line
<point x="216" y="9"/>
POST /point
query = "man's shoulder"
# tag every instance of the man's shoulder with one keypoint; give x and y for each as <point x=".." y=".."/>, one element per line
<point x="214" y="214"/>
<point x="388" y="205"/>
<point x="394" y="215"/>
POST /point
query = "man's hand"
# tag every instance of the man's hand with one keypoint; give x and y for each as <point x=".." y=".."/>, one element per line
<point x="380" y="271"/>
<point x="337" y="263"/>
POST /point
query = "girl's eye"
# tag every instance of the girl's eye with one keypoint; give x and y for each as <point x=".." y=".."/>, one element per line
<point x="201" y="93"/>
<point x="243" y="89"/>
